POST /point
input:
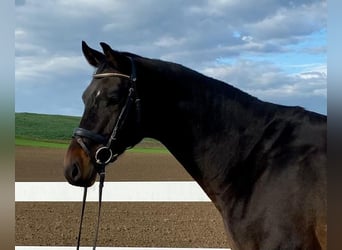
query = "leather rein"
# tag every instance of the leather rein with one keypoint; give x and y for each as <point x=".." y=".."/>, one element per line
<point x="104" y="154"/>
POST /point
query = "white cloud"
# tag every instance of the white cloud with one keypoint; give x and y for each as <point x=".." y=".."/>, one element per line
<point x="169" y="41"/>
<point x="32" y="68"/>
<point x="247" y="38"/>
<point x="269" y="82"/>
<point x="288" y="23"/>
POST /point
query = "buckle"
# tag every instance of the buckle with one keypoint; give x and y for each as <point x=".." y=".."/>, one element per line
<point x="103" y="155"/>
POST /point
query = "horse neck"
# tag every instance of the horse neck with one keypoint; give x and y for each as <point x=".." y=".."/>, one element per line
<point x="197" y="118"/>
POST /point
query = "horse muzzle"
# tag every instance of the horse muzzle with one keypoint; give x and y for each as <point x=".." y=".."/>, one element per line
<point x="78" y="167"/>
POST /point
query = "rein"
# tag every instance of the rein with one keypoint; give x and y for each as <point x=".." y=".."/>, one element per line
<point x="104" y="154"/>
<point x="102" y="178"/>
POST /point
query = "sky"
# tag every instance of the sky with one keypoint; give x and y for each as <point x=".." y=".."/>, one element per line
<point x="272" y="49"/>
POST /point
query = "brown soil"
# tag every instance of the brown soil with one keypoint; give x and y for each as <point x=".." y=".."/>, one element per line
<point x="144" y="224"/>
<point x="45" y="164"/>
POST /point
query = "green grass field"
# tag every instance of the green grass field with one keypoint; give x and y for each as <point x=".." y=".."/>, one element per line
<point x="57" y="128"/>
<point x="54" y="131"/>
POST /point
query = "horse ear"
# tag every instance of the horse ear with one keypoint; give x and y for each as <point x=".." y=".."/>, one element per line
<point x="93" y="57"/>
<point x="118" y="60"/>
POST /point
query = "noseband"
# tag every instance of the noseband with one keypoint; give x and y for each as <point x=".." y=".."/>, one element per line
<point x="104" y="154"/>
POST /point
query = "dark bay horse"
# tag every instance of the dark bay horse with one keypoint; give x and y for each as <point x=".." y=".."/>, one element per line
<point x="263" y="165"/>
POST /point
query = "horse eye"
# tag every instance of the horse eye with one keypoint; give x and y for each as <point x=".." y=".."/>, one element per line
<point x="113" y="99"/>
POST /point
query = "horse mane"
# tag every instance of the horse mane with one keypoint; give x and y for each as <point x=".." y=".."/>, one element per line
<point x="129" y="54"/>
<point x="184" y="74"/>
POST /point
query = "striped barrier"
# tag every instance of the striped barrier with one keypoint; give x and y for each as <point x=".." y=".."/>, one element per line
<point x="171" y="191"/>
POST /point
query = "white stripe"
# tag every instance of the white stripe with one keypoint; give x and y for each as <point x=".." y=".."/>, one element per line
<point x="109" y="74"/>
<point x="166" y="191"/>
<point x="112" y="248"/>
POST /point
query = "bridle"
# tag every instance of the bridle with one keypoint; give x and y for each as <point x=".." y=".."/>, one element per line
<point x="104" y="154"/>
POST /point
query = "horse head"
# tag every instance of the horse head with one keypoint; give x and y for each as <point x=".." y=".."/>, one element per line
<point x="109" y="124"/>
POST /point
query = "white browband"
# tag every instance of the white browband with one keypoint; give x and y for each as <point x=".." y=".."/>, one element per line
<point x="110" y="74"/>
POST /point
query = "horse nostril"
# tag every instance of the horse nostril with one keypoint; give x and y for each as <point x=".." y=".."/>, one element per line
<point x="75" y="173"/>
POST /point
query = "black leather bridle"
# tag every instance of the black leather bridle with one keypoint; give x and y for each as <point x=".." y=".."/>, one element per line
<point x="104" y="154"/>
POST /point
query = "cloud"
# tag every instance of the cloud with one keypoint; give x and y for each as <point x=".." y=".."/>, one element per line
<point x="47" y="67"/>
<point x="197" y="34"/>
<point x="287" y="23"/>
<point x="20" y="2"/>
<point x="198" y="24"/>
<point x="262" y="76"/>
<point x="270" y="83"/>
<point x="169" y="41"/>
